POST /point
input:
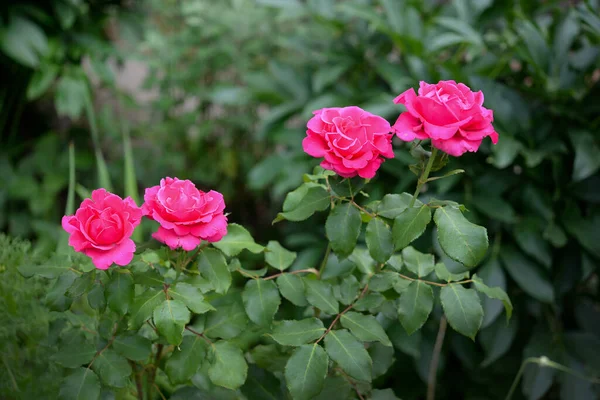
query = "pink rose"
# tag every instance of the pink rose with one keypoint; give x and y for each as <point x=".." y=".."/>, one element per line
<point x="102" y="227"/>
<point x="449" y="114"/>
<point x="351" y="140"/>
<point x="186" y="215"/>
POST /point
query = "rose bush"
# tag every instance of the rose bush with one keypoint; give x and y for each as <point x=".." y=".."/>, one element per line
<point x="186" y="215"/>
<point x="102" y="228"/>
<point x="449" y="114"/>
<point x="352" y="141"/>
<point x="182" y="313"/>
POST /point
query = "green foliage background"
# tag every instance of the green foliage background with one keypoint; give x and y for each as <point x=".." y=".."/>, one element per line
<point x="234" y="83"/>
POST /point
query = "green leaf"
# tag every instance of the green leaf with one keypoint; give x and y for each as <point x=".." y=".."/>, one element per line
<point x="461" y="240"/>
<point x="119" y="292"/>
<point x="305" y="371"/>
<point x="392" y="205"/>
<point x="81" y="285"/>
<point x="342" y="228"/>
<point x="70" y="96"/>
<point x="444" y="275"/>
<point x="278" y="257"/>
<point x="304" y="202"/>
<point x="533" y="244"/>
<point x="113" y="369"/>
<point x="335" y="387"/>
<point x="494" y="293"/>
<point x="328" y="75"/>
<point x="41" y="81"/>
<point x="213" y="267"/>
<point x="346" y="187"/>
<point x="383" y="394"/>
<point x="53" y="268"/>
<point x="227" y="322"/>
<point x="395" y="262"/>
<point x="363" y="261"/>
<point x="262" y="385"/>
<point x="496" y="339"/>
<point x="261" y="301"/>
<point x="185" y="360"/>
<point x="292" y="288"/>
<point x="528" y="275"/>
<point x="418" y="263"/>
<point x="96" y="298"/>
<point x="55" y="298"/>
<point x="143" y="306"/>
<point x="462" y="308"/>
<point x="191" y="296"/>
<point x="148" y="278"/>
<point x="350" y="354"/>
<point x="347" y="290"/>
<point x="320" y="295"/>
<point x="75" y="353"/>
<point x="365" y="327"/>
<point x="83" y="384"/>
<point x="236" y="240"/>
<point x="170" y="319"/>
<point x="409" y="225"/>
<point x="270" y="357"/>
<point x="297" y="333"/>
<point x="383" y="358"/>
<point x="495" y="207"/>
<point x="370" y="302"/>
<point x="228" y="367"/>
<point x="133" y="346"/>
<point x="408" y="344"/>
<point x="586" y="150"/>
<point x="535" y="43"/>
<point x="414" y="306"/>
<point x="379" y="240"/>
<point x="383" y="281"/>
<point x="24" y="41"/>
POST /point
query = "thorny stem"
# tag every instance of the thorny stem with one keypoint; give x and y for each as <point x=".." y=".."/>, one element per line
<point x="337" y="317"/>
<point x="424" y="176"/>
<point x="435" y="359"/>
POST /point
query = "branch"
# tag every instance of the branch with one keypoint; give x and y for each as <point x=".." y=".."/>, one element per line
<point x="435" y="359"/>
<point x="408" y="278"/>
<point x="311" y="270"/>
<point x="370" y="214"/>
<point x="337" y="318"/>
<point x="199" y="335"/>
<point x="138" y="380"/>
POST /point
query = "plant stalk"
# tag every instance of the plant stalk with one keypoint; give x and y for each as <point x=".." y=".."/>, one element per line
<point x="435" y="359"/>
<point x="424" y="176"/>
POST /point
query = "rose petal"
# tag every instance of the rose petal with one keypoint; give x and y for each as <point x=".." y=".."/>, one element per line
<point x="314" y="145"/>
<point x="121" y="254"/>
<point x="406" y="127"/>
<point x="456" y="146"/>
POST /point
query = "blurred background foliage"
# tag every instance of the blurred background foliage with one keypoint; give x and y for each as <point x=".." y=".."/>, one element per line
<point x="220" y="92"/>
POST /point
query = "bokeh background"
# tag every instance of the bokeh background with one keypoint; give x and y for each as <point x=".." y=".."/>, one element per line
<point x="219" y="92"/>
